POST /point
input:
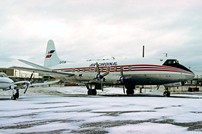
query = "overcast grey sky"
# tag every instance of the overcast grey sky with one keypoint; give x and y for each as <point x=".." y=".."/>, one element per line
<point x="82" y="29"/>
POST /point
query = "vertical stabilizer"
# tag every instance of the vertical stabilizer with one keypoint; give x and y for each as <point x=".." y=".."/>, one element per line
<point x="51" y="58"/>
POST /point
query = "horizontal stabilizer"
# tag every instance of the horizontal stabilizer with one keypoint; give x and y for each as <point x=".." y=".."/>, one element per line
<point x="44" y="71"/>
<point x="34" y="65"/>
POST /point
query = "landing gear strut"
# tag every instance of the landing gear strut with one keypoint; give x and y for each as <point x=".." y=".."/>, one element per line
<point x="15" y="95"/>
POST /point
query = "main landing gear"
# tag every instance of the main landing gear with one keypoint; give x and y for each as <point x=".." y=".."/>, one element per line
<point x="91" y="89"/>
<point x="166" y="93"/>
<point x="130" y="89"/>
<point x="15" y="95"/>
<point x="92" y="92"/>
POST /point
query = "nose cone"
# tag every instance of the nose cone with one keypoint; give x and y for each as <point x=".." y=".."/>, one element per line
<point x="193" y="75"/>
<point x="190" y="75"/>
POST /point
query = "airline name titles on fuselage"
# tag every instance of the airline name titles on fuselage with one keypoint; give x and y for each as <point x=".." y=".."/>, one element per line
<point x="105" y="64"/>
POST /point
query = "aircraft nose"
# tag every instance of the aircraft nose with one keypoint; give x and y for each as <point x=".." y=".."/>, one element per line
<point x="9" y="80"/>
<point x="192" y="75"/>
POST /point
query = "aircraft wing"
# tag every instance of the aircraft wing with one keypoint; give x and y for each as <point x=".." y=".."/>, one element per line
<point x="45" y="83"/>
<point x="21" y="82"/>
<point x="47" y="71"/>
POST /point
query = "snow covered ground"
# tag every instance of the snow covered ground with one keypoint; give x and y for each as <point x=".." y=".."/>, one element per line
<point x="70" y="110"/>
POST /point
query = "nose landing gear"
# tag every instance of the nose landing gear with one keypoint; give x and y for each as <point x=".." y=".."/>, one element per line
<point x="15" y="95"/>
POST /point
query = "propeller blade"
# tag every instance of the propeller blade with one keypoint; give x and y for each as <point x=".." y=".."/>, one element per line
<point x="28" y="83"/>
<point x="31" y="77"/>
<point x="122" y="71"/>
<point x="101" y="84"/>
<point x="122" y="79"/>
<point x="97" y="68"/>
<point x="122" y="76"/>
<point x="99" y="76"/>
<point x="124" y="91"/>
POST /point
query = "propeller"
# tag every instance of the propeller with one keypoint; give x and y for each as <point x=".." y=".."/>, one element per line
<point x="100" y="76"/>
<point x="122" y="79"/>
<point x="28" y="83"/>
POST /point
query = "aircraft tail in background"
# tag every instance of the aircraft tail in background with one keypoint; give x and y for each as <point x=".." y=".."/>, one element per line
<point x="51" y="57"/>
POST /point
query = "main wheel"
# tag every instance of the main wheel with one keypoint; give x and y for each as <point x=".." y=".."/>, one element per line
<point x="13" y="97"/>
<point x="92" y="92"/>
<point x="166" y="93"/>
<point x="130" y="92"/>
<point x="17" y="95"/>
<point x="130" y="88"/>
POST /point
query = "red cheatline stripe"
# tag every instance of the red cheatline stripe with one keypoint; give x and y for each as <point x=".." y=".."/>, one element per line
<point x="133" y="69"/>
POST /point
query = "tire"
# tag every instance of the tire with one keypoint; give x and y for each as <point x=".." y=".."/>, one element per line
<point x="17" y="95"/>
<point x="92" y="92"/>
<point x="166" y="93"/>
<point x="13" y="97"/>
<point x="130" y="92"/>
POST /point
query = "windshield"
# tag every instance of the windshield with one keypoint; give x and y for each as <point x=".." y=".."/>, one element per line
<point x="2" y="74"/>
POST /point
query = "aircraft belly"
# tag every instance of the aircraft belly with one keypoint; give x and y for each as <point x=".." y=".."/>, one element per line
<point x="155" y="78"/>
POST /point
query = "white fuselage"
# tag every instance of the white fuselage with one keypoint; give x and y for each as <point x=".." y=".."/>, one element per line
<point x="5" y="83"/>
<point x="139" y="74"/>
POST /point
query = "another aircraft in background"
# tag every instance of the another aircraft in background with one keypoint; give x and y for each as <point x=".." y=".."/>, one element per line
<point x="97" y="73"/>
<point x="8" y="84"/>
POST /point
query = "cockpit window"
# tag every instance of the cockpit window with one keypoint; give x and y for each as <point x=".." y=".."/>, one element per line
<point x="3" y="75"/>
<point x="171" y="61"/>
<point x="175" y="63"/>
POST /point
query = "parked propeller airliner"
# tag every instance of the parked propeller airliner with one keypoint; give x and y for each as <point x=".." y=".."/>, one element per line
<point x="95" y="74"/>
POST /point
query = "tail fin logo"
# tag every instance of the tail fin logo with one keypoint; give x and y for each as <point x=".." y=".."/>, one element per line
<point x="49" y="54"/>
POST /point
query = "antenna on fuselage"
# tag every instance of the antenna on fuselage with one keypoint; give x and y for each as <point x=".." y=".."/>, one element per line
<point x="143" y="51"/>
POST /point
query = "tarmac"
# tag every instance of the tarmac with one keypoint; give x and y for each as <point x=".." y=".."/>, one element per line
<point x="70" y="110"/>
